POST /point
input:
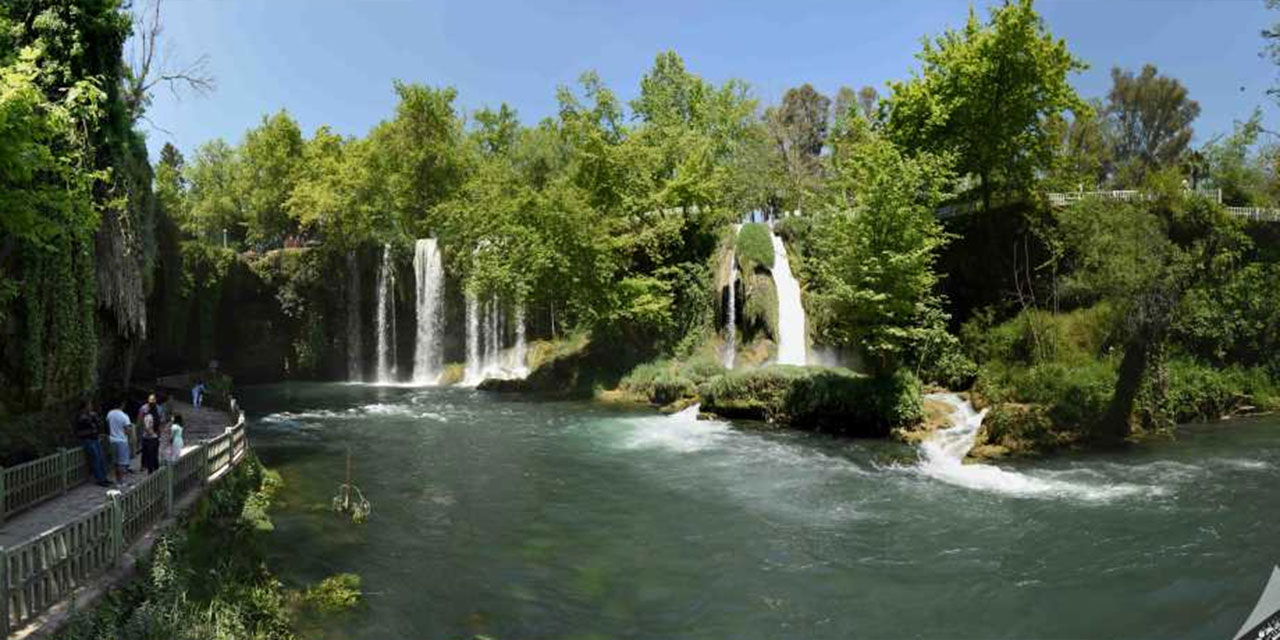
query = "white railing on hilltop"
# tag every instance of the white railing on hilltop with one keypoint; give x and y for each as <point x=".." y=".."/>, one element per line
<point x="40" y="572"/>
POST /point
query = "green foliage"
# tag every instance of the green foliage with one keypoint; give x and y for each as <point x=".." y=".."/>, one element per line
<point x="874" y="251"/>
<point x="985" y="93"/>
<point x="817" y="398"/>
<point x="754" y="247"/>
<point x="1152" y="116"/>
<point x="334" y="594"/>
<point x="759" y="305"/>
<point x="269" y="161"/>
<point x="1202" y="393"/>
<point x="663" y="381"/>
<point x="207" y="580"/>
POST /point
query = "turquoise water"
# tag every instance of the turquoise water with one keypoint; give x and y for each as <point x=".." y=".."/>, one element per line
<point x="516" y="518"/>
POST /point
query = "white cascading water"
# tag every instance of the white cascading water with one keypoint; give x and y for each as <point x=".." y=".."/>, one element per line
<point x="386" y="318"/>
<point x="520" y="354"/>
<point x="942" y="458"/>
<point x="791" y="322"/>
<point x="355" y="343"/>
<point x="731" y="322"/>
<point x="487" y="354"/>
<point x="428" y="356"/>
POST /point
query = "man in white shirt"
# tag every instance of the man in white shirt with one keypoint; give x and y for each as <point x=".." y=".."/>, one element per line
<point x="118" y="427"/>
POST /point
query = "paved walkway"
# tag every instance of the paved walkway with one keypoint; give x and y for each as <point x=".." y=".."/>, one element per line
<point x="201" y="424"/>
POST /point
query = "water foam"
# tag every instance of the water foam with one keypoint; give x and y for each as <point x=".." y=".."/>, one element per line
<point x="942" y="458"/>
<point x="681" y="432"/>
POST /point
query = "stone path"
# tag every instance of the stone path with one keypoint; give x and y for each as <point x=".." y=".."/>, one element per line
<point x="201" y="424"/>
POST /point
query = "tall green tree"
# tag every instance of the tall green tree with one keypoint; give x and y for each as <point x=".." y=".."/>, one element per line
<point x="875" y="249"/>
<point x="1151" y="118"/>
<point x="985" y="93"/>
<point x="269" y="161"/>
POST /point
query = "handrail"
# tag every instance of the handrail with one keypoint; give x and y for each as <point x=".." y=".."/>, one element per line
<point x="38" y="573"/>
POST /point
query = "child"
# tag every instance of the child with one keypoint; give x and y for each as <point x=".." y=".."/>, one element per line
<point x="175" y="442"/>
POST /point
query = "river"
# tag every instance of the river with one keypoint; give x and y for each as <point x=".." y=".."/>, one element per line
<point x="517" y="518"/>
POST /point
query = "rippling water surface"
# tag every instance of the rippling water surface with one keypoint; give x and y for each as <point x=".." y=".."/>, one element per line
<point x="516" y="518"/>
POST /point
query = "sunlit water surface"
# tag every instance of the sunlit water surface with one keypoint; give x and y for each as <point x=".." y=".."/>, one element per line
<point x="516" y="518"/>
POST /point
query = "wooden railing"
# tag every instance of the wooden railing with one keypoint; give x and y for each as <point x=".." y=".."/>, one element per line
<point x="38" y="573"/>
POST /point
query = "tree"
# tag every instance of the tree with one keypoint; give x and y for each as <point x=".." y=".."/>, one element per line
<point x="1229" y="164"/>
<point x="1082" y="154"/>
<point x="170" y="184"/>
<point x="215" y="200"/>
<point x="497" y="131"/>
<point x="799" y="127"/>
<point x="421" y="148"/>
<point x="985" y="93"/>
<point x="145" y="71"/>
<point x="868" y="97"/>
<point x="1151" y="117"/>
<point x="875" y="248"/>
<point x="269" y="160"/>
<point x="1144" y="258"/>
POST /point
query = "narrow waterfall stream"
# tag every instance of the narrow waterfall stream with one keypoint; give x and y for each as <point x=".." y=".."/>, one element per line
<point x="791" y="321"/>
<point x="355" y="340"/>
<point x="386" y="318"/>
<point x="488" y="355"/>
<point x="428" y="357"/>
<point x="731" y="322"/>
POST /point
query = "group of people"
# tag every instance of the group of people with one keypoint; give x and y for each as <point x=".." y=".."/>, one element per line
<point x="158" y="429"/>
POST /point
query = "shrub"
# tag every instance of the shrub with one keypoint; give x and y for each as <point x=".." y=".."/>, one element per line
<point x="817" y="398"/>
<point x="1199" y="392"/>
<point x="1023" y="429"/>
<point x="755" y="247"/>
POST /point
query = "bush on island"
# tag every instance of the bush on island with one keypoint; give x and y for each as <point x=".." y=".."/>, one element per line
<point x="822" y="399"/>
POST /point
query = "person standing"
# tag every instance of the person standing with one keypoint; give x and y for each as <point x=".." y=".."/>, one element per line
<point x="87" y="430"/>
<point x="175" y="438"/>
<point x="118" y="426"/>
<point x="197" y="393"/>
<point x="150" y="418"/>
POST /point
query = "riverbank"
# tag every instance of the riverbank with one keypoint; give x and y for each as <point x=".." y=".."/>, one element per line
<point x="205" y="578"/>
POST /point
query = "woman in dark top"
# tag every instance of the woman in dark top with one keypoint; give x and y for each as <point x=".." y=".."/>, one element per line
<point x="150" y="435"/>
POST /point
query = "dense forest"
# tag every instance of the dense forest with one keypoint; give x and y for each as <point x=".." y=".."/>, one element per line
<point x="611" y="226"/>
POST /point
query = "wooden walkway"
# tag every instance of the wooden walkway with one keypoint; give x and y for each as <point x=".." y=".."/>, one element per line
<point x="201" y="424"/>
<point x="65" y="539"/>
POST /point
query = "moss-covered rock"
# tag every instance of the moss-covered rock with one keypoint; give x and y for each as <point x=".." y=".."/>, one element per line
<point x="1011" y="429"/>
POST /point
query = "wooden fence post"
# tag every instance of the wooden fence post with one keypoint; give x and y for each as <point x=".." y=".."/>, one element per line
<point x="4" y="593"/>
<point x="62" y="468"/>
<point x="117" y="526"/>
<point x="168" y="490"/>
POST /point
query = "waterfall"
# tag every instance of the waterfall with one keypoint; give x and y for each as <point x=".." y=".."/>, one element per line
<point x="487" y="330"/>
<point x="355" y="344"/>
<point x="791" y="323"/>
<point x="473" y="371"/>
<point x="521" y="355"/>
<point x="428" y="356"/>
<point x="731" y="322"/>
<point x="386" y="316"/>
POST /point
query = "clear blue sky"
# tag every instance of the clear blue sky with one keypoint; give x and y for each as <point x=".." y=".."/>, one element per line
<point x="331" y="62"/>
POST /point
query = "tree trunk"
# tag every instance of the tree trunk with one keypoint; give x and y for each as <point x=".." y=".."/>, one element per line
<point x="1116" y="421"/>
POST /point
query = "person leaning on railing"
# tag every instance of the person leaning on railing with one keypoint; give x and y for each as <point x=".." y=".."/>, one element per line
<point x="88" y="427"/>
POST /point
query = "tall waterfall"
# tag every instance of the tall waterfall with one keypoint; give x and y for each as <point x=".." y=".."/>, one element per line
<point x="355" y="341"/>
<point x="473" y="370"/>
<point x="386" y="318"/>
<point x="791" y="323"/>
<point x="487" y="353"/>
<point x="731" y="322"/>
<point x="428" y="354"/>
